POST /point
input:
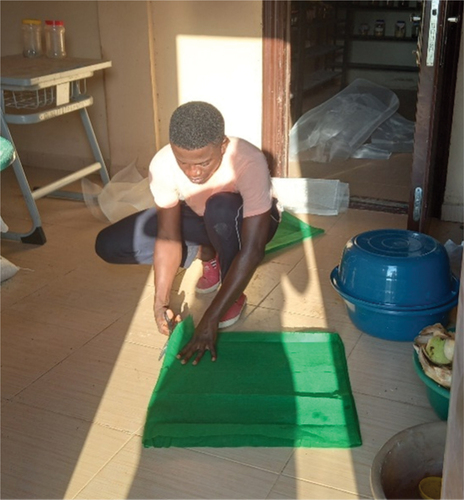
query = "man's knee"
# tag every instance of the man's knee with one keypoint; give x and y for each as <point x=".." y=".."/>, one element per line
<point x="223" y="215"/>
<point x="223" y="206"/>
<point x="103" y="247"/>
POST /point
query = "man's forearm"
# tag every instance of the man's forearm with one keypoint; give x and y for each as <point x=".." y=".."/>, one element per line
<point x="166" y="262"/>
<point x="240" y="273"/>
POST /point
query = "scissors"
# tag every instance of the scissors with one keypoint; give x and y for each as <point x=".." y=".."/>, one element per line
<point x="170" y="323"/>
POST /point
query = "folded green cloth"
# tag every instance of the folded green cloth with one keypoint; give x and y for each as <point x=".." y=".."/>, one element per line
<point x="265" y="389"/>
<point x="291" y="230"/>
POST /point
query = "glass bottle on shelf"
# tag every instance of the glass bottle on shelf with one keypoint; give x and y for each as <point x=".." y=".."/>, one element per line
<point x="400" y="29"/>
<point x="415" y="29"/>
<point x="379" y="29"/>
<point x="364" y="29"/>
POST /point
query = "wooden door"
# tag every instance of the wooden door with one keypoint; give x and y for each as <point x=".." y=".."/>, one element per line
<point x="438" y="54"/>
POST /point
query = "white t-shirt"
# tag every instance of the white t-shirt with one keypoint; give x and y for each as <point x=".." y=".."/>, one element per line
<point x="243" y="170"/>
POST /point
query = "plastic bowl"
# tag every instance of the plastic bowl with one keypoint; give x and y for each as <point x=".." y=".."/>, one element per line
<point x="396" y="268"/>
<point x="430" y="488"/>
<point x="437" y="395"/>
<point x="392" y="324"/>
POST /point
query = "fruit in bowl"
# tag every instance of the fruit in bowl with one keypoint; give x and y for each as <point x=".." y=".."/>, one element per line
<point x="435" y="349"/>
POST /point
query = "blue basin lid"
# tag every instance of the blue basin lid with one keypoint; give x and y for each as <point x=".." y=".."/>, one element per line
<point x="397" y="243"/>
<point x="396" y="268"/>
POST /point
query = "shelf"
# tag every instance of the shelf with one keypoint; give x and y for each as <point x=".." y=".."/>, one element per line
<point x="372" y="38"/>
<point x="383" y="8"/>
<point x="321" y="77"/>
<point x="322" y="50"/>
<point x="383" y="67"/>
<point x="320" y="23"/>
<point x="318" y="39"/>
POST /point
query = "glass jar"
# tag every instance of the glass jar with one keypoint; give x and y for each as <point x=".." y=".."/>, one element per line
<point x="379" y="29"/>
<point x="415" y="29"/>
<point x="364" y="29"/>
<point x="32" y="37"/>
<point x="400" y="29"/>
<point x="54" y="39"/>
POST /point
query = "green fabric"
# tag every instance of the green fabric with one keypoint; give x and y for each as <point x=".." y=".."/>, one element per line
<point x="291" y="230"/>
<point x="265" y="389"/>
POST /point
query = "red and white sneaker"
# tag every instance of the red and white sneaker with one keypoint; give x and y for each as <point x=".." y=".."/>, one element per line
<point x="211" y="278"/>
<point x="233" y="314"/>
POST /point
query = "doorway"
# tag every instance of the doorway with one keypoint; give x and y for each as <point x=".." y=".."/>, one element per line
<point x="333" y="43"/>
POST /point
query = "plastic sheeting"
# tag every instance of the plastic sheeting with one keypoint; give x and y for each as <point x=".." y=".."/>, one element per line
<point x="126" y="193"/>
<point x="312" y="196"/>
<point x="338" y="128"/>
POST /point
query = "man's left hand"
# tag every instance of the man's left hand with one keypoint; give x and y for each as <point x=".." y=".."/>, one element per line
<point x="203" y="340"/>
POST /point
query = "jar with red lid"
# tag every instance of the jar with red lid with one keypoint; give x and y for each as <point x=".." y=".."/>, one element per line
<point x="54" y="39"/>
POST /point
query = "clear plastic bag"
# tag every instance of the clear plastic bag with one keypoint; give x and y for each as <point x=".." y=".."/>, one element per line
<point x="126" y="193"/>
<point x="395" y="135"/>
<point x="339" y="126"/>
<point x="371" y="152"/>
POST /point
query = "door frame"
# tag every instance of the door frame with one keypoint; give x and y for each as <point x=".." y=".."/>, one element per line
<point x="276" y="84"/>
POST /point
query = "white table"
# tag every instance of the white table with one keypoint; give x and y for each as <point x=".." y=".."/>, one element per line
<point x="34" y="90"/>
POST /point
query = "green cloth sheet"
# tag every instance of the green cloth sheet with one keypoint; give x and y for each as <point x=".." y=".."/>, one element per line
<point x="291" y="230"/>
<point x="265" y="389"/>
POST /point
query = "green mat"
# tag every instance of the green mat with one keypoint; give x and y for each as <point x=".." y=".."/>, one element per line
<point x="265" y="389"/>
<point x="291" y="230"/>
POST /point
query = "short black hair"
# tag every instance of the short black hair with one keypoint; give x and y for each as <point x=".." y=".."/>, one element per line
<point x="196" y="124"/>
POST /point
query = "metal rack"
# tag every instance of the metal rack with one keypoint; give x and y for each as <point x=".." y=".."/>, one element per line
<point x="34" y="90"/>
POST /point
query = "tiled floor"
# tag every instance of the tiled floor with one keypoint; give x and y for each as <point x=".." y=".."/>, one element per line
<point x="80" y="359"/>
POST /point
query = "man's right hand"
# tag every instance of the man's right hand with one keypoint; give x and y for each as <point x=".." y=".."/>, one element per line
<point x="160" y="318"/>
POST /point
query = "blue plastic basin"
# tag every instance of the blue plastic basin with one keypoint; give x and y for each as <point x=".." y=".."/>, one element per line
<point x="400" y="324"/>
<point x="396" y="268"/>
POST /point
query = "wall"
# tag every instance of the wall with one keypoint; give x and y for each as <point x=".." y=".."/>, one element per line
<point x="210" y="51"/>
<point x="453" y="206"/>
<point x="125" y="32"/>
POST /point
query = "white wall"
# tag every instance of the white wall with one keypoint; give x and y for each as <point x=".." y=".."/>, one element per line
<point x="210" y="51"/>
<point x="124" y="31"/>
<point x="453" y="206"/>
